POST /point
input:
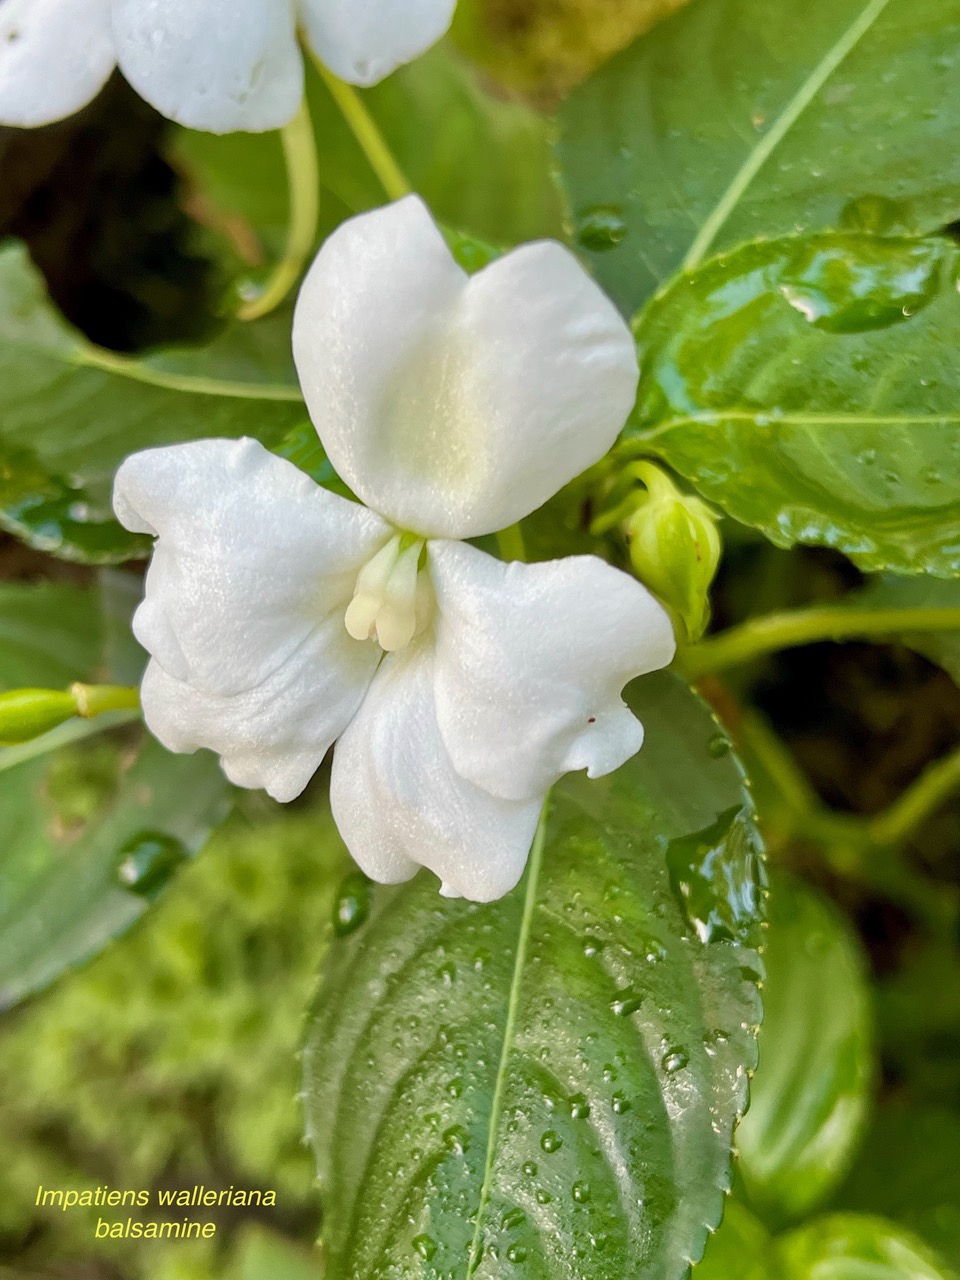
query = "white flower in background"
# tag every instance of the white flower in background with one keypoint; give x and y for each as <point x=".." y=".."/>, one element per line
<point x="281" y="617"/>
<point x="219" y="65"/>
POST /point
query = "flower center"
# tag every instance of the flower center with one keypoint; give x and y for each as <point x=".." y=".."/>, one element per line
<point x="392" y="599"/>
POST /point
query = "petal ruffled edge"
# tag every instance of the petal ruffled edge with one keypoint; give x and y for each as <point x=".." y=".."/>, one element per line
<point x="531" y="663"/>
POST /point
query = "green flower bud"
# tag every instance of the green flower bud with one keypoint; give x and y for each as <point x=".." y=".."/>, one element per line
<point x="675" y="547"/>
<point x="27" y="713"/>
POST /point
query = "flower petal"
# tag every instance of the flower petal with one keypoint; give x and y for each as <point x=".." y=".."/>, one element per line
<point x="219" y="65"/>
<point x="455" y="405"/>
<point x="531" y="662"/>
<point x="362" y="41"/>
<point x="399" y="802"/>
<point x="55" y="57"/>
<point x="276" y="734"/>
<point x="251" y="558"/>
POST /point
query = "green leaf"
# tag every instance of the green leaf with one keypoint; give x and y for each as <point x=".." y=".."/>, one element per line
<point x="851" y="1247"/>
<point x="909" y="1169"/>
<point x="71" y="412"/>
<point x="809" y="1098"/>
<point x="49" y="634"/>
<point x="551" y="1081"/>
<point x="810" y="388"/>
<point x="740" y="118"/>
<point x="741" y="1249"/>
<point x="87" y="835"/>
<point x="891" y="592"/>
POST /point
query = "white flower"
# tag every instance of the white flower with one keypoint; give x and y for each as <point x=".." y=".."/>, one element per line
<point x="219" y="65"/>
<point x="281" y="617"/>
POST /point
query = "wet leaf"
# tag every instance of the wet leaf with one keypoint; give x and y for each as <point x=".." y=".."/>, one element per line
<point x="70" y="413"/>
<point x="77" y="822"/>
<point x="736" y="119"/>
<point x="810" y="1095"/>
<point x="810" y="388"/>
<point x="548" y="1084"/>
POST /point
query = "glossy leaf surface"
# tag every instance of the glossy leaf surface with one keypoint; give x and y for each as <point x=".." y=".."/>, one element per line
<point x="550" y="1082"/>
<point x="741" y="118"/>
<point x="810" y="388"/>
<point x="809" y="1099"/>
<point x="70" y="413"/>
<point x="89" y="833"/>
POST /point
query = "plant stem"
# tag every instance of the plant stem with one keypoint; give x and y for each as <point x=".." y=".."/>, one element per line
<point x="303" y="176"/>
<point x="94" y="699"/>
<point x="785" y="630"/>
<point x="367" y="133"/>
<point x="510" y="543"/>
<point x="920" y="799"/>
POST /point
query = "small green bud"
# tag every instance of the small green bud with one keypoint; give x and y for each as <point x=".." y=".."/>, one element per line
<point x="27" y="713"/>
<point x="675" y="547"/>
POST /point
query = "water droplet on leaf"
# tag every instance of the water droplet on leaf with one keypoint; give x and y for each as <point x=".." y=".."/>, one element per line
<point x="601" y="228"/>
<point x="352" y="904"/>
<point x="147" y="862"/>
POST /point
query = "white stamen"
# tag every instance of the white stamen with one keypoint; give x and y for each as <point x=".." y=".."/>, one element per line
<point x="390" y="601"/>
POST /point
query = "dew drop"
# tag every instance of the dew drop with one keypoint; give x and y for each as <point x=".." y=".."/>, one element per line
<point x="530" y="1169"/>
<point x="516" y="1253"/>
<point x="352" y="904"/>
<point x="147" y="862"/>
<point x="718" y="746"/>
<point x="591" y="947"/>
<point x="581" y="1192"/>
<point x="621" y="1104"/>
<point x="579" y="1107"/>
<point x="513" y="1218"/>
<point x="626" y="1002"/>
<point x="551" y="1141"/>
<point x="456" y="1139"/>
<point x="675" y="1059"/>
<point x="426" y="1246"/>
<point x="601" y="228"/>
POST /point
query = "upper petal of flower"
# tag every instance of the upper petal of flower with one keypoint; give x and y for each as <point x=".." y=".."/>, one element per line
<point x="399" y="802"/>
<point x="55" y="57"/>
<point x="362" y="41"/>
<point x="218" y="65"/>
<point x="455" y="405"/>
<point x="251" y="558"/>
<point x="531" y="661"/>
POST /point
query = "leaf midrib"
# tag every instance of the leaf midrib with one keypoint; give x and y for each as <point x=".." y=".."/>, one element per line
<point x="791" y="113"/>
<point x="88" y="356"/>
<point x="513" y="1004"/>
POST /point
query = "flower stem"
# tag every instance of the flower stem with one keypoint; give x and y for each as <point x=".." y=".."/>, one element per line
<point x="303" y="175"/>
<point x="94" y="699"/>
<point x="367" y="133"/>
<point x="511" y="544"/>
<point x="788" y="629"/>
<point x="920" y="799"/>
